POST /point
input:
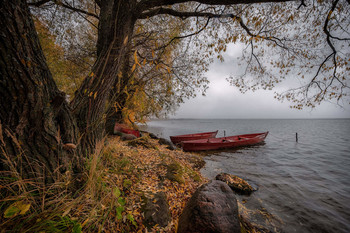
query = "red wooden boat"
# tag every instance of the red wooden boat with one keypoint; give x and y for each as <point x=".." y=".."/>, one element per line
<point x="186" y="137"/>
<point x="124" y="129"/>
<point x="224" y="142"/>
<point x="131" y="131"/>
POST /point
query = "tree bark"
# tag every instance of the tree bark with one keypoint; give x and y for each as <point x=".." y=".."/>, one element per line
<point x="35" y="119"/>
<point x="91" y="100"/>
<point x="118" y="97"/>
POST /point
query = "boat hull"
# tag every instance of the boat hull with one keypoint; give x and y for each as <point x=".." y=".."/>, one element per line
<point x="124" y="129"/>
<point x="224" y="142"/>
<point x="189" y="137"/>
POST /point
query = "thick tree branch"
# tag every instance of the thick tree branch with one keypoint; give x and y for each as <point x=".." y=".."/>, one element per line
<point x="149" y="4"/>
<point x="180" y="14"/>
<point x="98" y="2"/>
<point x="68" y="6"/>
<point x="209" y="15"/>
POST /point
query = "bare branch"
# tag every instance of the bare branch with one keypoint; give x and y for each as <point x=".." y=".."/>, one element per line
<point x="184" y="15"/>
<point x="189" y="35"/>
<point x="38" y="3"/>
<point x="301" y="4"/>
<point x="68" y="6"/>
<point x="63" y="4"/>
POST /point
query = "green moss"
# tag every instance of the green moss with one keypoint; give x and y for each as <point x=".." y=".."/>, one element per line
<point x="175" y="173"/>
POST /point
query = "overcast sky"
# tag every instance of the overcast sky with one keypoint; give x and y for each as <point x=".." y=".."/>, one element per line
<point x="225" y="101"/>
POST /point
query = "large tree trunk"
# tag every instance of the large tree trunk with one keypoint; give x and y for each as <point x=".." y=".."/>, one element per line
<point x="118" y="97"/>
<point x="35" y="119"/>
<point x="91" y="100"/>
<point x="36" y="123"/>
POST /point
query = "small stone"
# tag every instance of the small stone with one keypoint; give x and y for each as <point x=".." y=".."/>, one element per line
<point x="128" y="137"/>
<point x="153" y="136"/>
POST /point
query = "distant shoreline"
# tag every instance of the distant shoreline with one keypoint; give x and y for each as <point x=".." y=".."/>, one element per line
<point x="340" y="118"/>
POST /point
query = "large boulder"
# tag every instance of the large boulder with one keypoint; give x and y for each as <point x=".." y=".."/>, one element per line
<point x="212" y="208"/>
<point x="236" y="183"/>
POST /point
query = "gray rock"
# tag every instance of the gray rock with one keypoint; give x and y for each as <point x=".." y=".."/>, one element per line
<point x="212" y="208"/>
<point x="170" y="145"/>
<point x="156" y="210"/>
<point x="153" y="136"/>
<point x="128" y="137"/>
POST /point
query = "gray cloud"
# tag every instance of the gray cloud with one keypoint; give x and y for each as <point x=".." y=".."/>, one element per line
<point x="225" y="101"/>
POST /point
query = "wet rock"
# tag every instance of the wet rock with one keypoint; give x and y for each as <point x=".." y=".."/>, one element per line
<point x="236" y="183"/>
<point x="153" y="136"/>
<point x="212" y="208"/>
<point x="156" y="210"/>
<point x="197" y="162"/>
<point x="248" y="226"/>
<point x="127" y="137"/>
<point x="170" y="145"/>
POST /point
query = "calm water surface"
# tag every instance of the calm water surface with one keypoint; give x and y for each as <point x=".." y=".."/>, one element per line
<point x="303" y="186"/>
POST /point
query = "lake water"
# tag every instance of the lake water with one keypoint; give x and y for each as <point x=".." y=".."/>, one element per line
<point x="303" y="186"/>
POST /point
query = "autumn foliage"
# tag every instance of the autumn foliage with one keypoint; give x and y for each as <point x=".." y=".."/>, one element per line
<point x="68" y="70"/>
<point x="111" y="200"/>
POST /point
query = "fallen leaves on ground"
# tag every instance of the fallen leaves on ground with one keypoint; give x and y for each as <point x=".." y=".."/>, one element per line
<point x="130" y="172"/>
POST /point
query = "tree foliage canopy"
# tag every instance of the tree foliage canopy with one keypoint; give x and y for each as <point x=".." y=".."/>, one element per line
<point x="281" y="40"/>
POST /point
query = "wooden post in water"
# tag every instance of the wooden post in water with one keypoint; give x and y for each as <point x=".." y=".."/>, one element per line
<point x="296" y="137"/>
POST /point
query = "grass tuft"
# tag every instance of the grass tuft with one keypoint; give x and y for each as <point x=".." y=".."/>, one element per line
<point x="117" y="175"/>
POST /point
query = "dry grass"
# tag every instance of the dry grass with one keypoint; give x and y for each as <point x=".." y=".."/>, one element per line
<point x="110" y="200"/>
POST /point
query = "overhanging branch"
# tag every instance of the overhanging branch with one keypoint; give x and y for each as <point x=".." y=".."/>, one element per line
<point x="63" y="4"/>
<point x="149" y="4"/>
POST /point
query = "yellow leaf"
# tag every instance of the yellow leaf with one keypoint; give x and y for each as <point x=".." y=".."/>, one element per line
<point x="126" y="40"/>
<point x="133" y="67"/>
<point x="86" y="221"/>
<point x="135" y="57"/>
<point x="95" y="95"/>
<point x="19" y="207"/>
<point x="91" y="94"/>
